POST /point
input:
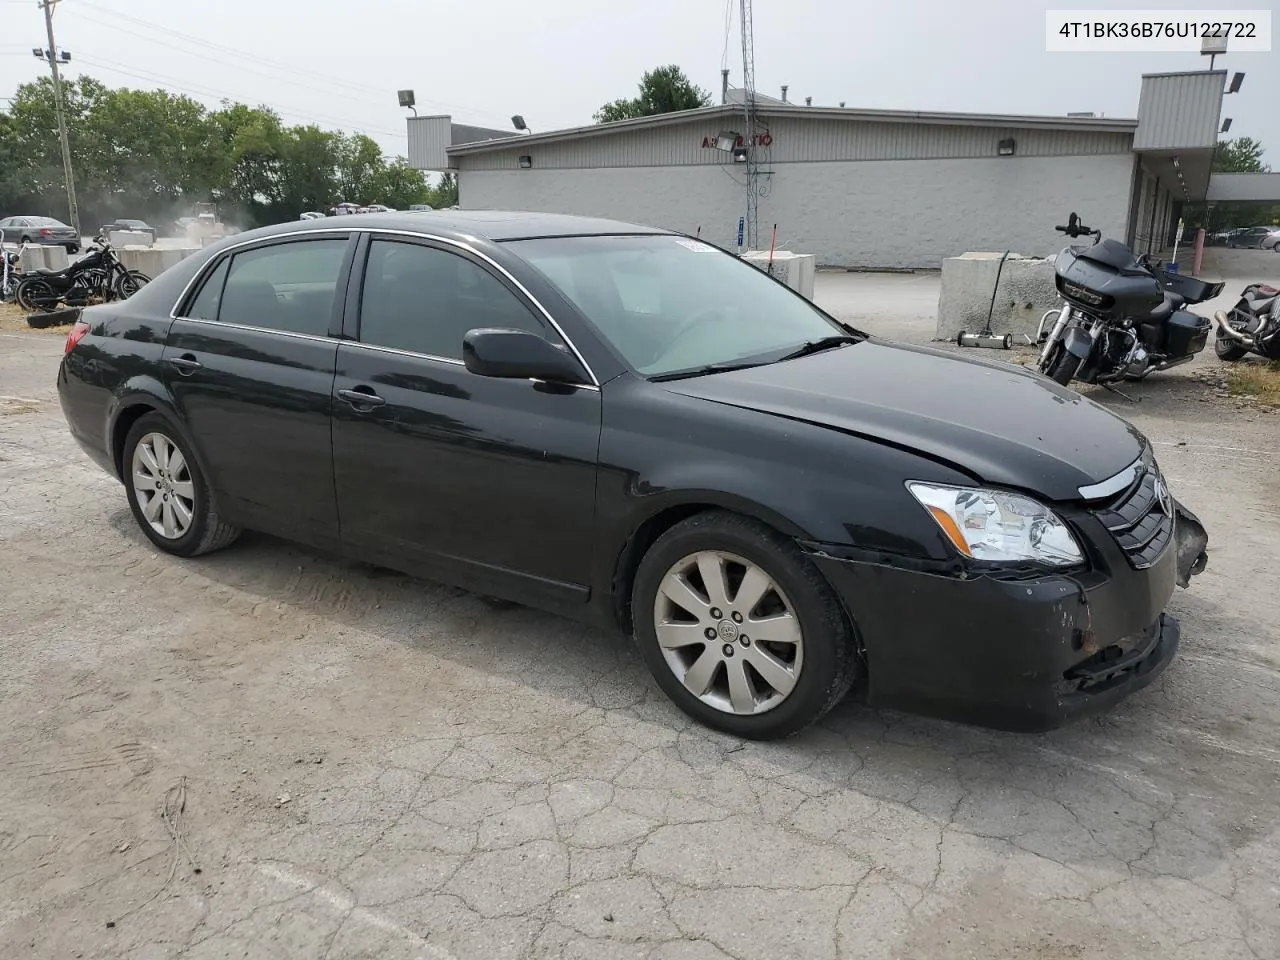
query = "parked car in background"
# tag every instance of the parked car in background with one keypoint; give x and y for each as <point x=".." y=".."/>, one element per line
<point x="378" y="208"/>
<point x="420" y="207"/>
<point x="641" y="431"/>
<point x="40" y="230"/>
<point x="134" y="226"/>
<point x="312" y="215"/>
<point x="1256" y="238"/>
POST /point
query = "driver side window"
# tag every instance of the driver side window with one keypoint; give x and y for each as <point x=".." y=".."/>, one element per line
<point x="424" y="300"/>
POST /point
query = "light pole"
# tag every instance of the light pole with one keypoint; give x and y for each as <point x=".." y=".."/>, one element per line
<point x="53" y="56"/>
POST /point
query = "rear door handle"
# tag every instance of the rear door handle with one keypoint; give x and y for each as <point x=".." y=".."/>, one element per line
<point x="186" y="364"/>
<point x="361" y="397"/>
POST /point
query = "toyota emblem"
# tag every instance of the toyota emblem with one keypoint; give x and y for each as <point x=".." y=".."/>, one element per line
<point x="1163" y="497"/>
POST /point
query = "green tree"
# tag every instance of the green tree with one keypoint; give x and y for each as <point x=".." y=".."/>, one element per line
<point x="399" y="185"/>
<point x="153" y="154"/>
<point x="1239" y="155"/>
<point x="445" y="194"/>
<point x="308" y="171"/>
<point x="662" y="90"/>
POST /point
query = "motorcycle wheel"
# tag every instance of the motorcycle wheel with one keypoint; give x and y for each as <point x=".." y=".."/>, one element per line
<point x="129" y="283"/>
<point x="36" y="295"/>
<point x="1228" y="351"/>
<point x="1061" y="365"/>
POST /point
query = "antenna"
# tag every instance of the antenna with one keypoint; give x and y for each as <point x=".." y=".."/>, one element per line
<point x="749" y="111"/>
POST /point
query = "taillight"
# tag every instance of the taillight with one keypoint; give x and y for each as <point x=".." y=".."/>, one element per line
<point x="46" y="232"/>
<point x="75" y="336"/>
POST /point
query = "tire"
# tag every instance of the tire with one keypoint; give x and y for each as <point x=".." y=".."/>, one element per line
<point x="56" y="318"/>
<point x="205" y="531"/>
<point x="819" y="669"/>
<point x="73" y="248"/>
<point x="1061" y="365"/>
<point x="25" y="240"/>
<point x="1228" y="351"/>
<point x="127" y="284"/>
<point x="34" y="294"/>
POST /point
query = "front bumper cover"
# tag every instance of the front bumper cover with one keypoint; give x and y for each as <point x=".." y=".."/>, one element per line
<point x="1022" y="654"/>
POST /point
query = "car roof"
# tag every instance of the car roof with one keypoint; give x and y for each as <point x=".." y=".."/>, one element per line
<point x="496" y="225"/>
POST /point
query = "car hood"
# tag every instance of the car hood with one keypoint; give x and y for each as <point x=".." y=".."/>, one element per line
<point x="994" y="420"/>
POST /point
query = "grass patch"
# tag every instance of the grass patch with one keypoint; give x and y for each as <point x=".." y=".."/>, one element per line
<point x="14" y="320"/>
<point x="1260" y="381"/>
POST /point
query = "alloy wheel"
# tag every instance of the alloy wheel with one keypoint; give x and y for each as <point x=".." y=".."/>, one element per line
<point x="728" y="632"/>
<point x="163" y="486"/>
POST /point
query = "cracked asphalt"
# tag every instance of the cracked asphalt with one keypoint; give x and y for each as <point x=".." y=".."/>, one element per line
<point x="269" y="753"/>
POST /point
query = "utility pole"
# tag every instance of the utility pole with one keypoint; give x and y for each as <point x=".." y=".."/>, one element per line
<point x="52" y="55"/>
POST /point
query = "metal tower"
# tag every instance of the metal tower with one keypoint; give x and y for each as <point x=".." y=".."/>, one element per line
<point x="749" y="132"/>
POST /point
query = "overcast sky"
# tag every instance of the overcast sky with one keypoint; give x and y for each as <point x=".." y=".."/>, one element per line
<point x="339" y="63"/>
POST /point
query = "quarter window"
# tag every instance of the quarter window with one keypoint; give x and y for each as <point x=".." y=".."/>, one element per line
<point x="287" y="286"/>
<point x="425" y="300"/>
<point x="205" y="305"/>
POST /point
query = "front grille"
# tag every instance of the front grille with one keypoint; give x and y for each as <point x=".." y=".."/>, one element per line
<point x="1136" y="518"/>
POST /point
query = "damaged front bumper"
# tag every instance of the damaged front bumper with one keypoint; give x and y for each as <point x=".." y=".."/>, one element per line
<point x="1191" y="542"/>
<point x="1021" y="653"/>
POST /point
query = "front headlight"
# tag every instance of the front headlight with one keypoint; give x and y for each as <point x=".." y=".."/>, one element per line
<point x="998" y="526"/>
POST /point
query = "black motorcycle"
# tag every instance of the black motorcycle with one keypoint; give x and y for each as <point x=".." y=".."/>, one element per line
<point x="97" y="277"/>
<point x="1121" y="316"/>
<point x="1251" y="326"/>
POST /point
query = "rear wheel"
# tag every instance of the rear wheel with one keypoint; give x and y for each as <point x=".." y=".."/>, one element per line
<point x="34" y="294"/>
<point x="1228" y="350"/>
<point x="1061" y="365"/>
<point x="740" y="629"/>
<point x="167" y="492"/>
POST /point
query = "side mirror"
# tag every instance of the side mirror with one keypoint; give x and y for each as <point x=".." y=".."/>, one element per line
<point x="518" y="355"/>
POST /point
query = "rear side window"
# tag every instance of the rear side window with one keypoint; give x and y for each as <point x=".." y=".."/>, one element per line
<point x="205" y="305"/>
<point x="288" y="287"/>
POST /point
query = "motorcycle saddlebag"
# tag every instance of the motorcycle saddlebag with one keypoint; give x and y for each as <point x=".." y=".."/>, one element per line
<point x="1188" y="333"/>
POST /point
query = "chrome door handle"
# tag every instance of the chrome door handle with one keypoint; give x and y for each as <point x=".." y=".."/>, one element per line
<point x="361" y="398"/>
<point x="186" y="364"/>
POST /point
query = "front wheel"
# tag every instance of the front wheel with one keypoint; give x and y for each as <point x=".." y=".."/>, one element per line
<point x="740" y="629"/>
<point x="168" y="494"/>
<point x="1061" y="365"/>
<point x="129" y="283"/>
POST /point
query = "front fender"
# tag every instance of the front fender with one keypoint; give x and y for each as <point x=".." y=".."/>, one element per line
<point x="1077" y="343"/>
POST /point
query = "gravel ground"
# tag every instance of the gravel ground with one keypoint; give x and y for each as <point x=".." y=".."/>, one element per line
<point x="269" y="753"/>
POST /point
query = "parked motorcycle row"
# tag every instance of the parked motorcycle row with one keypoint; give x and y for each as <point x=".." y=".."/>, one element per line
<point x="96" y="277"/>
<point x="1124" y="316"/>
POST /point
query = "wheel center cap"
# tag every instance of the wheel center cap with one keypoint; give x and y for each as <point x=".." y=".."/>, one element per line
<point x="727" y="630"/>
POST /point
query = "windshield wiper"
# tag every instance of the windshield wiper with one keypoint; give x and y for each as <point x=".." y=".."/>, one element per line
<point x="817" y="346"/>
<point x="707" y="369"/>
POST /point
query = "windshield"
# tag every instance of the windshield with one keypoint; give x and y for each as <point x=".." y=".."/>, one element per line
<point x="671" y="304"/>
<point x="45" y="222"/>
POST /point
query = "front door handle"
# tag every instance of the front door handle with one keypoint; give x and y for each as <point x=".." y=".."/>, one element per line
<point x="361" y="397"/>
<point x="186" y="364"/>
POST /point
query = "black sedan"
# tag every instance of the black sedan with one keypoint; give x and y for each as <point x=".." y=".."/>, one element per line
<point x="638" y="430"/>
<point x="39" y="230"/>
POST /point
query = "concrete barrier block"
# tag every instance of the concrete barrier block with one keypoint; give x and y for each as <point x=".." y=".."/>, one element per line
<point x="153" y="261"/>
<point x="1026" y="290"/>
<point x="796" y="270"/>
<point x="38" y="257"/>
<point x="128" y="238"/>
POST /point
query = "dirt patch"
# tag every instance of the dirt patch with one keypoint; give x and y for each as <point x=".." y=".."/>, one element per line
<point x="14" y="320"/>
<point x="1259" y="381"/>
